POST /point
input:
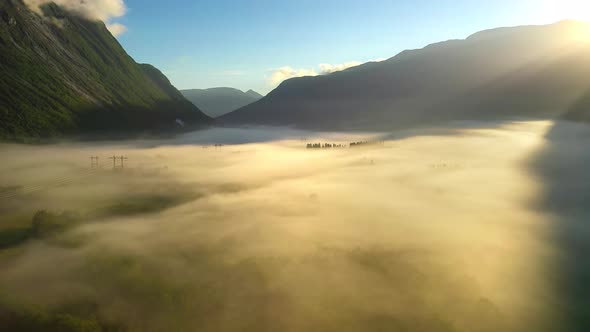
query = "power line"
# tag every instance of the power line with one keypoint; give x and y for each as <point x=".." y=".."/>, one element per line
<point x="6" y="193"/>
<point x="122" y="159"/>
<point x="121" y="162"/>
<point x="114" y="158"/>
<point x="94" y="162"/>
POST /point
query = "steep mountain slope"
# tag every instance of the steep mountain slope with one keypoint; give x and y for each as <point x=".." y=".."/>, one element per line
<point x="527" y="71"/>
<point x="218" y="101"/>
<point x="60" y="73"/>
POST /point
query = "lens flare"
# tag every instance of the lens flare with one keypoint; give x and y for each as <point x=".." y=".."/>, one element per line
<point x="581" y="32"/>
<point x="557" y="10"/>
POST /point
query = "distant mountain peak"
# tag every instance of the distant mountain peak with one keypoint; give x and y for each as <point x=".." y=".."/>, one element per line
<point x="220" y="100"/>
<point x="254" y="93"/>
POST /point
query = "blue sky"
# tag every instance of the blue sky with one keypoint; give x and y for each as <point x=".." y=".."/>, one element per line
<point x="201" y="44"/>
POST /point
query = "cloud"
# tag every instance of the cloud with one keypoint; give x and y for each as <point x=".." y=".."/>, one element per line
<point x="247" y="234"/>
<point x="326" y="68"/>
<point x="284" y="73"/>
<point x="98" y="10"/>
<point x="117" y="29"/>
<point x="102" y="10"/>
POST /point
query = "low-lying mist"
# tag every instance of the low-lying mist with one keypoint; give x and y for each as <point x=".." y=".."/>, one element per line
<point x="431" y="232"/>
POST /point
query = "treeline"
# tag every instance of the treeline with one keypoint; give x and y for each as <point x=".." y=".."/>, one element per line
<point x="324" y="146"/>
<point x="352" y="144"/>
<point x="364" y="143"/>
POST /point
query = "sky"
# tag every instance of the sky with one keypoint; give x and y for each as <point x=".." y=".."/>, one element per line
<point x="255" y="44"/>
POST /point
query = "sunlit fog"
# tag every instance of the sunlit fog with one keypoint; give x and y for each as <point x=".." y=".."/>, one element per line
<point x="422" y="230"/>
<point x="294" y="166"/>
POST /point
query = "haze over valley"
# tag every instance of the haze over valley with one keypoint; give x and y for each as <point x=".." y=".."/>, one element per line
<point x="270" y="235"/>
<point x="442" y="188"/>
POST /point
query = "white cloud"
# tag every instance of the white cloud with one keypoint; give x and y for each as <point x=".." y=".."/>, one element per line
<point x="284" y="73"/>
<point x="326" y="68"/>
<point x="102" y="10"/>
<point x="116" y="29"/>
<point x="99" y="10"/>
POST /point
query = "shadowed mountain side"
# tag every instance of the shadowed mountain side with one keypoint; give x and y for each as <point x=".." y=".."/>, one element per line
<point x="63" y="74"/>
<point x="580" y="110"/>
<point x="532" y="71"/>
<point x="218" y="101"/>
<point x="562" y="169"/>
<point x="544" y="89"/>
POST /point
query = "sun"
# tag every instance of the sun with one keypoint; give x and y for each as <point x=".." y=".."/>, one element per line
<point x="576" y="11"/>
<point x="560" y="10"/>
<point x="580" y="31"/>
<point x="551" y="11"/>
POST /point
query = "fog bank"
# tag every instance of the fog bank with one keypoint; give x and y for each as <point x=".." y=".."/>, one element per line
<point x="430" y="232"/>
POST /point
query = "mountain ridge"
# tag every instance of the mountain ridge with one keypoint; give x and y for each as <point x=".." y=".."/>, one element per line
<point x="530" y="71"/>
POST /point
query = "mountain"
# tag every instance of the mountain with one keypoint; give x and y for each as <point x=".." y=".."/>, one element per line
<point x="218" y="101"/>
<point x="254" y="94"/>
<point x="529" y="71"/>
<point x="64" y="74"/>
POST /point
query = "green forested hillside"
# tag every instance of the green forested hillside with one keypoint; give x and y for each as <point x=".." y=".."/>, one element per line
<point x="63" y="74"/>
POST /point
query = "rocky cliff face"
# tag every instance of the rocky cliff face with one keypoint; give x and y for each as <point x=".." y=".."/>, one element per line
<point x="63" y="74"/>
